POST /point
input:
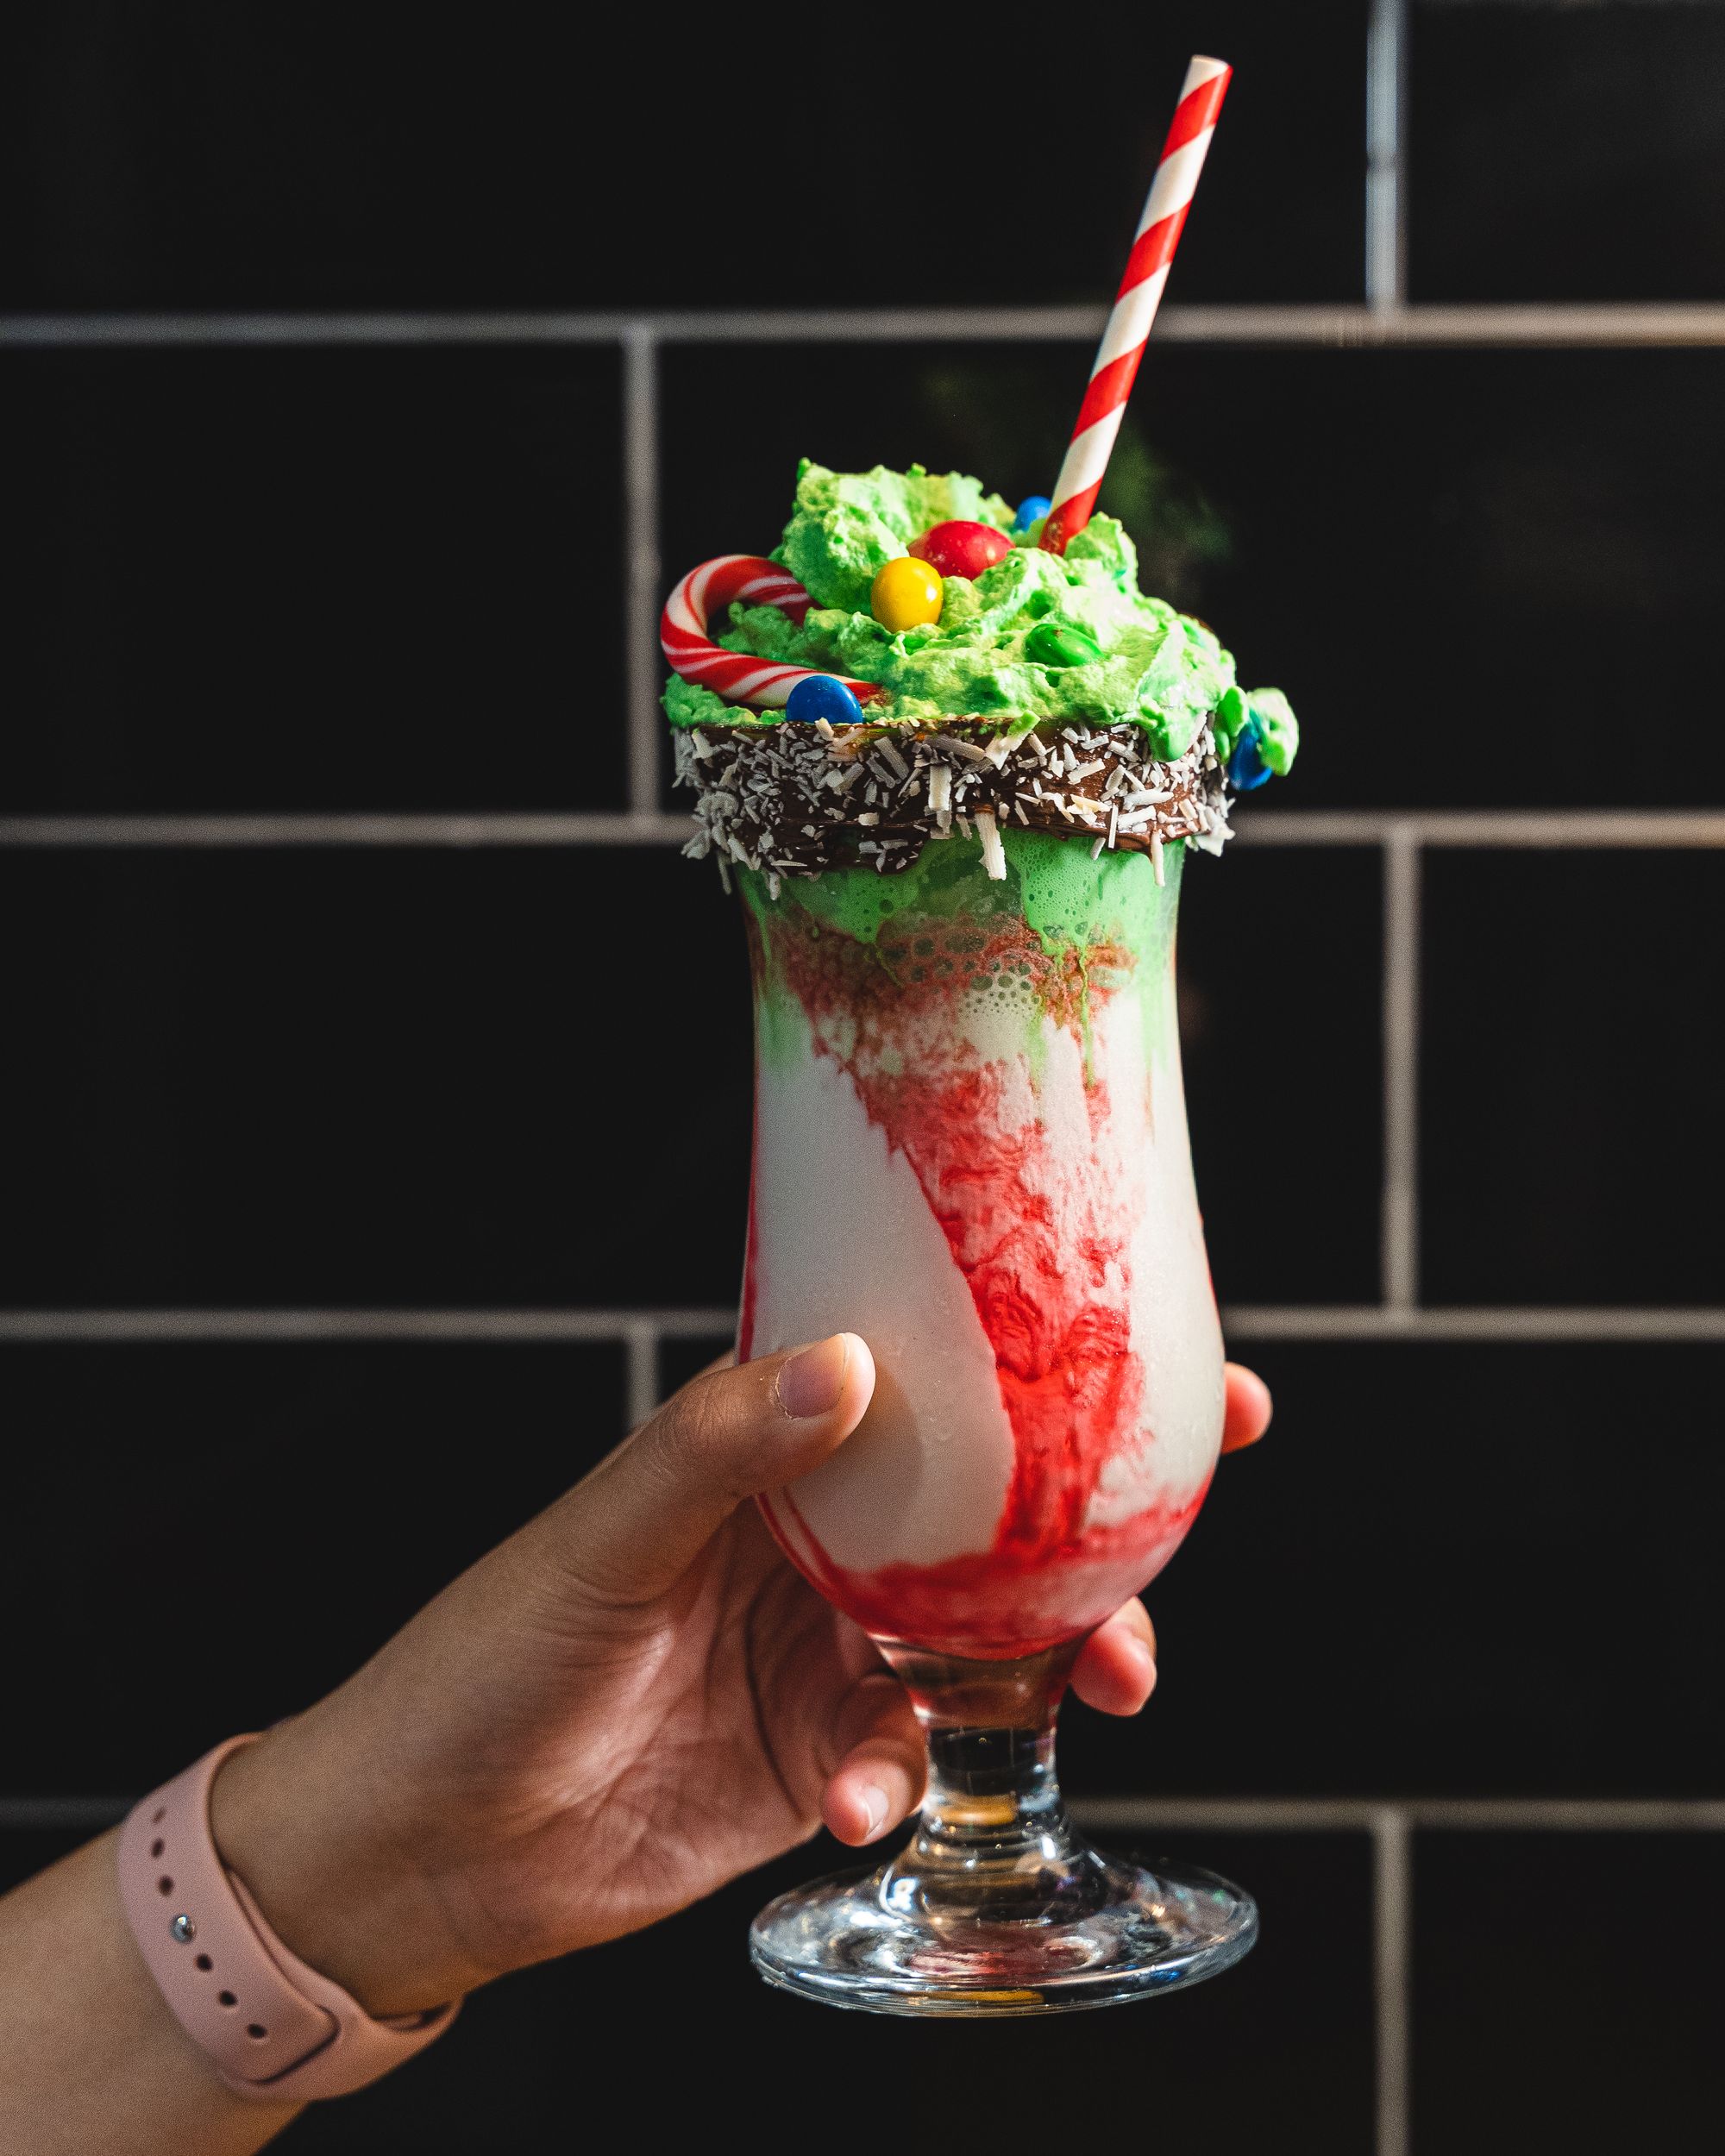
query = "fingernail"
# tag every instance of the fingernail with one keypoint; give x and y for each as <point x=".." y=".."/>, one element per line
<point x="875" y="1802"/>
<point x="809" y="1383"/>
<point x="1146" y="1661"/>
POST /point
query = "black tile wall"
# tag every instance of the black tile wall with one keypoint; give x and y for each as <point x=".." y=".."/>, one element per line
<point x="184" y="157"/>
<point x="1452" y="1569"/>
<point x="748" y="2058"/>
<point x="1567" y="1994"/>
<point x="202" y="1483"/>
<point x="524" y="1077"/>
<point x="319" y="579"/>
<point x="1431" y="551"/>
<point x="1566" y="152"/>
<point x="1572" y="1151"/>
<point x="1280" y="1033"/>
<point x="362" y="1077"/>
<point x="305" y="579"/>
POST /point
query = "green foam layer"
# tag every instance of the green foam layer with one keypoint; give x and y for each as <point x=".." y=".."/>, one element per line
<point x="1110" y="916"/>
<point x="1068" y="902"/>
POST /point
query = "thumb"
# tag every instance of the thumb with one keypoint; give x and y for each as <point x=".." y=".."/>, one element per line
<point x="642" y="1518"/>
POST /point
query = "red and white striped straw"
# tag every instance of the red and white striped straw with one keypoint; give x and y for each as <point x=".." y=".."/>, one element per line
<point x="1135" y="304"/>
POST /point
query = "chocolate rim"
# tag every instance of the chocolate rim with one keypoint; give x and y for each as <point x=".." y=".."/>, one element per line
<point x="794" y="799"/>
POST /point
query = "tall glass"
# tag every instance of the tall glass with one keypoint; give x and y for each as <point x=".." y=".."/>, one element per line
<point x="970" y="1147"/>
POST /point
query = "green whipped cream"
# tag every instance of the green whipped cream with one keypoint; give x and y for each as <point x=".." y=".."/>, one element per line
<point x="999" y="650"/>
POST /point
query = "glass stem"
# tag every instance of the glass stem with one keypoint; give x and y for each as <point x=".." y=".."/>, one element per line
<point x="992" y="1841"/>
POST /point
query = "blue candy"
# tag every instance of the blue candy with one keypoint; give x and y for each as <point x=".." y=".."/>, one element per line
<point x="1032" y="507"/>
<point x="823" y="696"/>
<point x="1246" y="767"/>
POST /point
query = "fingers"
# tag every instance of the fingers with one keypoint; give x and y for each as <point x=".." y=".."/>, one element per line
<point x="1249" y="1409"/>
<point x="640" y="1519"/>
<point x="879" y="1780"/>
<point x="1115" y="1670"/>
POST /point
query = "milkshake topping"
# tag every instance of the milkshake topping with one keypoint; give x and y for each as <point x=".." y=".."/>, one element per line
<point x="1041" y="689"/>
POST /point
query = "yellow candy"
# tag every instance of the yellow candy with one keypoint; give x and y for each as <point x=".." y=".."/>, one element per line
<point x="906" y="594"/>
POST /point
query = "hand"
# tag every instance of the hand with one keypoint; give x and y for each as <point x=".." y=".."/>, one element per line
<point x="630" y="1701"/>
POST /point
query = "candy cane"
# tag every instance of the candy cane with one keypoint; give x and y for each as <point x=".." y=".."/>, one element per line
<point x="1135" y="305"/>
<point x="734" y="676"/>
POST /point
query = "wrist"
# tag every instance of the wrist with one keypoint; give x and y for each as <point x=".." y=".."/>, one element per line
<point x="295" y="1824"/>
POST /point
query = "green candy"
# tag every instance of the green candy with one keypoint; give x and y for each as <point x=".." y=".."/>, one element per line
<point x="1279" y="731"/>
<point x="1053" y="643"/>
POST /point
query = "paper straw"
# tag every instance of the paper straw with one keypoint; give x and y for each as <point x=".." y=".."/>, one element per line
<point x="1135" y="304"/>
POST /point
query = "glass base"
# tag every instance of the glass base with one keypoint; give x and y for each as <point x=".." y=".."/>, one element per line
<point x="1103" y="1933"/>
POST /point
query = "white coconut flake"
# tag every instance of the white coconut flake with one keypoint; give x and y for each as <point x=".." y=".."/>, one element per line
<point x="994" y="853"/>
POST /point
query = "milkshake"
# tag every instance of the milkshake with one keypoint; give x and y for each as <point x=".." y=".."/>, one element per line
<point x="956" y="779"/>
<point x="970" y="1137"/>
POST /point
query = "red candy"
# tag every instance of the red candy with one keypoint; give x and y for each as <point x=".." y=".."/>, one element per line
<point x="959" y="548"/>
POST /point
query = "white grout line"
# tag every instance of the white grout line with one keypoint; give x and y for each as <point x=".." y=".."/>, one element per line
<point x="1427" y="1814"/>
<point x="1399" y="1225"/>
<point x="579" y="828"/>
<point x="145" y="1327"/>
<point x="1657" y="325"/>
<point x="641" y="1339"/>
<point x="1392" y="1935"/>
<point x="641" y="563"/>
<point x="1125" y="1815"/>
<point x="1528" y="830"/>
<point x="1386" y="169"/>
<point x="1571" y="1326"/>
<point x="1317" y="1322"/>
<point x="1522" y="830"/>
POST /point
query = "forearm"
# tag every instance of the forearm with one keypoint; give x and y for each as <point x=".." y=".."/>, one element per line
<point x="91" y="2062"/>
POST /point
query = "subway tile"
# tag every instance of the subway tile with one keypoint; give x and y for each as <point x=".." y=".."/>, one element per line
<point x="314" y="580"/>
<point x="1170" y="2067"/>
<point x="1436" y="554"/>
<point x="204" y="1483"/>
<point x="1566" y="1993"/>
<point x="1448" y="1569"/>
<point x="232" y="165"/>
<point x="397" y="1077"/>
<point x="1570" y="1015"/>
<point x="524" y="1077"/>
<point x="1279" y="1037"/>
<point x="1566" y="152"/>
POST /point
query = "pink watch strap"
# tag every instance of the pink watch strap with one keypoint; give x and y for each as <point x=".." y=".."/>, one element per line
<point x="274" y="2029"/>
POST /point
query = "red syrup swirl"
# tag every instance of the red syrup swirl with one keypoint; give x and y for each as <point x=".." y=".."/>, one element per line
<point x="1046" y="1257"/>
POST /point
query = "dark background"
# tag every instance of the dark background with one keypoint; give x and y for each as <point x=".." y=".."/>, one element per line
<point x="269" y="580"/>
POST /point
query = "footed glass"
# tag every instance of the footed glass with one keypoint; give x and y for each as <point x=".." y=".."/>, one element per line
<point x="970" y="1147"/>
